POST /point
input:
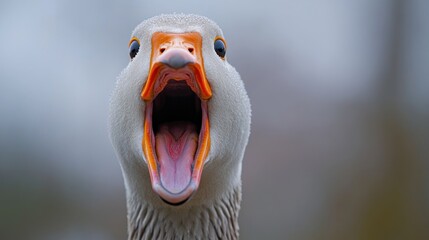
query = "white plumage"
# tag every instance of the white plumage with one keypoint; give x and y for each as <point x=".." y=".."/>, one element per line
<point x="212" y="211"/>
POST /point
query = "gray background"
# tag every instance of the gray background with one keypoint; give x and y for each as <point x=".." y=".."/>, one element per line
<point x="339" y="91"/>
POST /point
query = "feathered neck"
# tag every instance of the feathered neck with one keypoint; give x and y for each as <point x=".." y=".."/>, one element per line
<point x="215" y="221"/>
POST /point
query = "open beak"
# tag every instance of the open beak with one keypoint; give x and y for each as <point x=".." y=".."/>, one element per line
<point x="176" y="138"/>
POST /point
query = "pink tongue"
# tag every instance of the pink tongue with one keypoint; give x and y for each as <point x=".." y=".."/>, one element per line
<point x="176" y="144"/>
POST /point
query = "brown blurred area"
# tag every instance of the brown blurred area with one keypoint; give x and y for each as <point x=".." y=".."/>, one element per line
<point x="340" y="125"/>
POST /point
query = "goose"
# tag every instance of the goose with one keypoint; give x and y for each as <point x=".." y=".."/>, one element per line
<point x="179" y="124"/>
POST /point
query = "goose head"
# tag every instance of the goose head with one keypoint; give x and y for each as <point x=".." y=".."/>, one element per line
<point x="179" y="115"/>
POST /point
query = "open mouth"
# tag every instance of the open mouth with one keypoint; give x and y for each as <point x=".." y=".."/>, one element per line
<point x="176" y="137"/>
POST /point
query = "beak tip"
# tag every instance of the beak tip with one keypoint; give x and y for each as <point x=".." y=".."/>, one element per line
<point x="176" y="60"/>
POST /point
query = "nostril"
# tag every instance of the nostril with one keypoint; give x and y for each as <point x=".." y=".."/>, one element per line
<point x="191" y="50"/>
<point x="161" y="50"/>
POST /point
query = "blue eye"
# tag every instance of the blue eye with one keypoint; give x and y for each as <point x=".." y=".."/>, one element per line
<point x="134" y="48"/>
<point x="220" y="48"/>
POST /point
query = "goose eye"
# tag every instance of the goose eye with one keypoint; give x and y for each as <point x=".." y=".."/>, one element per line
<point x="219" y="47"/>
<point x="134" y="48"/>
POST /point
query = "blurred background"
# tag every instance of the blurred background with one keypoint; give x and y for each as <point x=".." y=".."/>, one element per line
<point x="340" y="126"/>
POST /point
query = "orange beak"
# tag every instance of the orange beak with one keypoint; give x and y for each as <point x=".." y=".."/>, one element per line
<point x="176" y="138"/>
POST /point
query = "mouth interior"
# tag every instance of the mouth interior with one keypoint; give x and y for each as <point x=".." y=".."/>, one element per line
<point x="176" y="103"/>
<point x="176" y="123"/>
